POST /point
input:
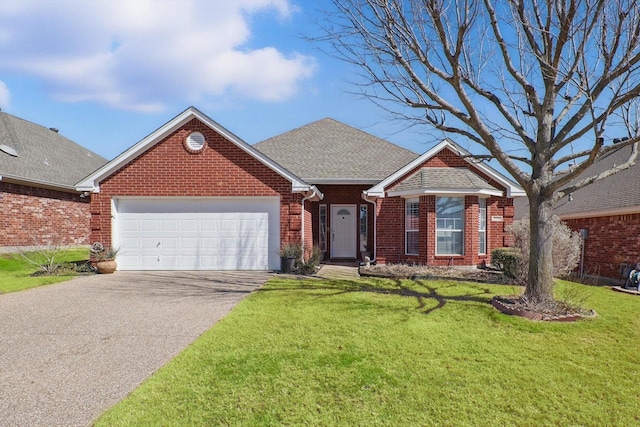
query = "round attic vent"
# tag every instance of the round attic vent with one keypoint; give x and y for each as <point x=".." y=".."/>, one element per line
<point x="195" y="142"/>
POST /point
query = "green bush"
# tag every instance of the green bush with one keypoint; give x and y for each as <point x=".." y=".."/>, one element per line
<point x="506" y="260"/>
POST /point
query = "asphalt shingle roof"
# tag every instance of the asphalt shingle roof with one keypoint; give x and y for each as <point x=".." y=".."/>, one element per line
<point x="444" y="178"/>
<point x="330" y="150"/>
<point x="43" y="155"/>
<point x="620" y="190"/>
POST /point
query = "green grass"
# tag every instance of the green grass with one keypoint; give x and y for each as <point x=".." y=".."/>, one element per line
<point x="382" y="352"/>
<point x="15" y="271"/>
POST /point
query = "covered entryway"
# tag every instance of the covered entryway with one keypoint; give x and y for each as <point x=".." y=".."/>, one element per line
<point x="343" y="231"/>
<point x="237" y="233"/>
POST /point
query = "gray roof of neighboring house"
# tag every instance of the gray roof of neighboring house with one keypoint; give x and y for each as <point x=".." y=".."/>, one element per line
<point x="330" y="150"/>
<point x="619" y="191"/>
<point x="444" y="178"/>
<point x="43" y="156"/>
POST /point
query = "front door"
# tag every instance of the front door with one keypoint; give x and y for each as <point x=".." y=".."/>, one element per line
<point x="343" y="231"/>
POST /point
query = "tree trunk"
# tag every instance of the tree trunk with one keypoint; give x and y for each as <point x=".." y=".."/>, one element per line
<point x="539" y="288"/>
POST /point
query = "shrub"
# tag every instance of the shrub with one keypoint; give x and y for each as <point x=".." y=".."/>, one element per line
<point x="506" y="260"/>
<point x="566" y="248"/>
<point x="312" y="262"/>
<point x="45" y="256"/>
<point x="291" y="250"/>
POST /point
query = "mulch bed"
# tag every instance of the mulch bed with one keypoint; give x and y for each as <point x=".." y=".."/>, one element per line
<point x="514" y="306"/>
<point x="399" y="271"/>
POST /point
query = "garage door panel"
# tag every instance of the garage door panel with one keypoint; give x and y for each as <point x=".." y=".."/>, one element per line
<point x="169" y="225"/>
<point x="167" y="235"/>
<point x="189" y="243"/>
<point x="149" y="225"/>
<point x="209" y="225"/>
<point x="130" y="225"/>
<point x="188" y="225"/>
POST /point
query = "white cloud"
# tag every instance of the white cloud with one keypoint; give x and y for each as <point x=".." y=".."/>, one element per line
<point x="140" y="55"/>
<point x="5" y="96"/>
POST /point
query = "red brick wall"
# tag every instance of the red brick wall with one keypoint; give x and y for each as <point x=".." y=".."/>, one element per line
<point x="48" y="216"/>
<point x="611" y="241"/>
<point x="220" y="170"/>
<point x="391" y="231"/>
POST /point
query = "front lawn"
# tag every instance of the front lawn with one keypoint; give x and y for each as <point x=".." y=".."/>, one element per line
<point x="16" y="272"/>
<point x="386" y="352"/>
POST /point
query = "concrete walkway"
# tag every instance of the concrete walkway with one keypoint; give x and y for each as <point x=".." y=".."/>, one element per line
<point x="338" y="272"/>
<point x="70" y="351"/>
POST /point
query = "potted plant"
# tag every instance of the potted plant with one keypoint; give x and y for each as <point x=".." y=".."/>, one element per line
<point x="289" y="254"/>
<point x="104" y="258"/>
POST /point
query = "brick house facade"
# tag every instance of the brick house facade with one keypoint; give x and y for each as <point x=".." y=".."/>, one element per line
<point x="32" y="215"/>
<point x="194" y="196"/>
<point x="612" y="243"/>
<point x="607" y="213"/>
<point x="38" y="170"/>
<point x="212" y="186"/>
<point x="496" y="191"/>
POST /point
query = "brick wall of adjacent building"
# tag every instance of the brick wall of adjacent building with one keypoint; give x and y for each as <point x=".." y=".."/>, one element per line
<point x="222" y="169"/>
<point x="33" y="216"/>
<point x="611" y="241"/>
<point x="391" y="222"/>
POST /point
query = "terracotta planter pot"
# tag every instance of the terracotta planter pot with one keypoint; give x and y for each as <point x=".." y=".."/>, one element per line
<point x="106" y="267"/>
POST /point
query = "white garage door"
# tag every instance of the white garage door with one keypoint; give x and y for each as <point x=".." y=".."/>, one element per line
<point x="197" y="234"/>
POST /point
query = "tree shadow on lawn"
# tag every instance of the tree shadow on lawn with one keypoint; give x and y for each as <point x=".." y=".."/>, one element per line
<point x="393" y="287"/>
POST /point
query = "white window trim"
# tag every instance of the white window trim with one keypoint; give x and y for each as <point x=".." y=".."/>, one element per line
<point x="482" y="207"/>
<point x="410" y="230"/>
<point x="461" y="230"/>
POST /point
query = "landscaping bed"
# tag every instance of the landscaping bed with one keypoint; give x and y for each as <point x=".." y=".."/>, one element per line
<point x="422" y="272"/>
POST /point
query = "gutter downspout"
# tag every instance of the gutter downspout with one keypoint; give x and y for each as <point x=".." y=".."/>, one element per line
<point x="375" y="225"/>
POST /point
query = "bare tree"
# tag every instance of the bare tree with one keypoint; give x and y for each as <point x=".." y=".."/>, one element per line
<point x="542" y="85"/>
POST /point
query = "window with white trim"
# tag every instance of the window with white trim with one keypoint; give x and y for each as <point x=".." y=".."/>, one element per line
<point x="449" y="225"/>
<point x="482" y="226"/>
<point x="411" y="227"/>
<point x="322" y="232"/>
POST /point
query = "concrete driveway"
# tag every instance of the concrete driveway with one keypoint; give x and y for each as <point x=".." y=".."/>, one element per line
<point x="71" y="350"/>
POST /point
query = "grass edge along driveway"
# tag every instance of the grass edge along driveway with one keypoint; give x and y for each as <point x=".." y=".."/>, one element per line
<point x="16" y="272"/>
<point x="385" y="352"/>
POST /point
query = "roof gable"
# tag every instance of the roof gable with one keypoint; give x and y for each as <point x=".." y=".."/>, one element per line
<point x="462" y="180"/>
<point x="92" y="182"/>
<point x="437" y="180"/>
<point x="328" y="151"/>
<point x="42" y="157"/>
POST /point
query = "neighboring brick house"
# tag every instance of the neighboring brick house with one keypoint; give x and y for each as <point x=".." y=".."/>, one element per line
<point x="38" y="172"/>
<point x="192" y="195"/>
<point x="609" y="213"/>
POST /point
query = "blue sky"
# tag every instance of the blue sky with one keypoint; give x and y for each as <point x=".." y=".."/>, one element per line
<point x="108" y="73"/>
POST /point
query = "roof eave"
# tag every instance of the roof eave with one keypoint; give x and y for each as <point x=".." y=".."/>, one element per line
<point x="38" y="183"/>
<point x="341" y="181"/>
<point x="601" y="212"/>
<point x="445" y="192"/>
